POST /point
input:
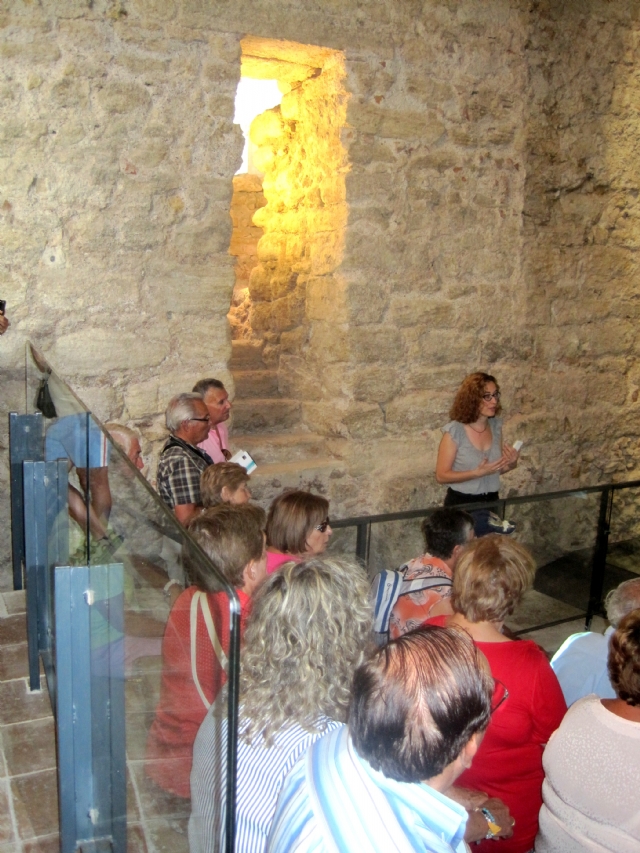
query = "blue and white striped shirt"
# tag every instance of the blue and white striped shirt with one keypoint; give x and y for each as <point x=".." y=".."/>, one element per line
<point x="261" y="772"/>
<point x="335" y="802"/>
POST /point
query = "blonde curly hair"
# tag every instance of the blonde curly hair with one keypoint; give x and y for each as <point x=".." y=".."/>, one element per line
<point x="309" y="628"/>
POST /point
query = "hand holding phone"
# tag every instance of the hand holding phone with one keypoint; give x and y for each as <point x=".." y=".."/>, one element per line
<point x="517" y="445"/>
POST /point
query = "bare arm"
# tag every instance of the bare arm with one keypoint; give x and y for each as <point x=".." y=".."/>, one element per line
<point x="185" y="512"/>
<point x="447" y="456"/>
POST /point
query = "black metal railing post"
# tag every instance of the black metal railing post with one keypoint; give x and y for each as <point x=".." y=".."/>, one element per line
<point x="362" y="542"/>
<point x="599" y="563"/>
<point x="26" y="442"/>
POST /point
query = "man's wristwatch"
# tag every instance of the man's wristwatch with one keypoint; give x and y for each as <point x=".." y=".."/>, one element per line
<point x="492" y="827"/>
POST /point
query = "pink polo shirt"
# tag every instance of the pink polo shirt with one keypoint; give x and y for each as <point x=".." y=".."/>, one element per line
<point x="214" y="443"/>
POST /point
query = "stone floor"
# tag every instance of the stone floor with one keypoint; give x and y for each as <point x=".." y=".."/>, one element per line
<point x="157" y="821"/>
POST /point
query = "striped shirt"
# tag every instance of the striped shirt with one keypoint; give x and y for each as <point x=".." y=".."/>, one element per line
<point x="261" y="772"/>
<point x="335" y="802"/>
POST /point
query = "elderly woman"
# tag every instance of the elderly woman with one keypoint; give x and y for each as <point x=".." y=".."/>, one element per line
<point x="598" y="741"/>
<point x="308" y="630"/>
<point x="472" y="455"/>
<point x="196" y="638"/>
<point x="489" y="581"/>
<point x="224" y="482"/>
<point x="297" y="527"/>
<point x="419" y="709"/>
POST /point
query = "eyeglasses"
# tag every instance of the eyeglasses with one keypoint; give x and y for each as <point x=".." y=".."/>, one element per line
<point x="489" y="397"/>
<point x="322" y="527"/>
<point x="500" y="695"/>
<point x="204" y="420"/>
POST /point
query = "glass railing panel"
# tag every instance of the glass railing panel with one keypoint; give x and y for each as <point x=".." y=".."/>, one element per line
<point x="561" y="534"/>
<point x="623" y="557"/>
<point x="143" y="663"/>
<point x="393" y="543"/>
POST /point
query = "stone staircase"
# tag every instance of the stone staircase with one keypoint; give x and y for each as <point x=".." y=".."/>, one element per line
<point x="270" y="428"/>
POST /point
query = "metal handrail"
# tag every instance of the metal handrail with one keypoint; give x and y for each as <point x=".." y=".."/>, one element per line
<point x="364" y="523"/>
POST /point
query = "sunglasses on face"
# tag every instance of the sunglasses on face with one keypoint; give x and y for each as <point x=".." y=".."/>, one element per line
<point x="322" y="527"/>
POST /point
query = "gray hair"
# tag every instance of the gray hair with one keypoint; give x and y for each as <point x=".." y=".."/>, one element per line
<point x="180" y="409"/>
<point x="122" y="435"/>
<point x="309" y="628"/>
<point x="204" y="385"/>
<point x="622" y="600"/>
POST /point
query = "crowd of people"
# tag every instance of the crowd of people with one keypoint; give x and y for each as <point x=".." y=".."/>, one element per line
<point x="400" y="715"/>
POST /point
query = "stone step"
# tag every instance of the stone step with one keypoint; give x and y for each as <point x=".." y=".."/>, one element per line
<point x="246" y="355"/>
<point x="259" y="415"/>
<point x="276" y="448"/>
<point x="315" y="475"/>
<point x="255" y="383"/>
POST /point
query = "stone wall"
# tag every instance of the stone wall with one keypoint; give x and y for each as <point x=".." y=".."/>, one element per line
<point x="582" y="232"/>
<point x="492" y="209"/>
<point x="247" y="199"/>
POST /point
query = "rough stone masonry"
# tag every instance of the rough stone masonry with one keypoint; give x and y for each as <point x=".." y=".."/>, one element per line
<point x="491" y="222"/>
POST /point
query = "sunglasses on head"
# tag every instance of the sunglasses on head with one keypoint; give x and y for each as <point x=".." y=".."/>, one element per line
<point x="322" y="527"/>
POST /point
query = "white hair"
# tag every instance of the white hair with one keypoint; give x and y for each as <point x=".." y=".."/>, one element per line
<point x="180" y="409"/>
<point x="123" y="436"/>
<point x="622" y="600"/>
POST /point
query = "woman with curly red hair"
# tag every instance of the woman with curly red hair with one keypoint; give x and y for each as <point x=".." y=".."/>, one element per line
<point x="472" y="455"/>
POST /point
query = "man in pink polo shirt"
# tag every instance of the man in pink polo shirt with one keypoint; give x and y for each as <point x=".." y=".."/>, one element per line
<point x="216" y="399"/>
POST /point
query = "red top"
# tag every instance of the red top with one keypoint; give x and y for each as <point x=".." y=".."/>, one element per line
<point x="181" y="709"/>
<point x="508" y="763"/>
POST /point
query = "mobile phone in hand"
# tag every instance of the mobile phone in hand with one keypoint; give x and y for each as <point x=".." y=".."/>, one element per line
<point x="3" y="305"/>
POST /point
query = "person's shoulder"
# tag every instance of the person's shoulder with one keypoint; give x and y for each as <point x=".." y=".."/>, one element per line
<point x="528" y="652"/>
<point x="438" y="621"/>
<point x="455" y="430"/>
<point x="585" y="643"/>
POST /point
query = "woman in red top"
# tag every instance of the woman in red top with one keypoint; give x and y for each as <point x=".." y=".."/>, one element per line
<point x="489" y="581"/>
<point x="196" y="638"/>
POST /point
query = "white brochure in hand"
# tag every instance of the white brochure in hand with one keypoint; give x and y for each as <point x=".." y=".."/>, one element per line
<point x="243" y="458"/>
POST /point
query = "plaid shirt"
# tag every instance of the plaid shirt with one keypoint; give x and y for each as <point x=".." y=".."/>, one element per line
<point x="179" y="470"/>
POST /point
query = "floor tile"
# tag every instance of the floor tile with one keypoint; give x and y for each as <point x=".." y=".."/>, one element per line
<point x="537" y="608"/>
<point x="35" y="799"/>
<point x="154" y="801"/>
<point x="15" y="601"/>
<point x="17" y="703"/>
<point x="168" y="836"/>
<point x="44" y="844"/>
<point x="13" y="629"/>
<point x="29" y="746"/>
<point x="552" y="638"/>
<point x="14" y="662"/>
<point x="6" y="824"/>
<point x="136" y="842"/>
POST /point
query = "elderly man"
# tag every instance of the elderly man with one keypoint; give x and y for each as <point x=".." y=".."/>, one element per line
<point x="418" y="713"/>
<point x="182" y="462"/>
<point x="127" y="439"/>
<point x="216" y="399"/>
<point x="581" y="661"/>
<point x="421" y="588"/>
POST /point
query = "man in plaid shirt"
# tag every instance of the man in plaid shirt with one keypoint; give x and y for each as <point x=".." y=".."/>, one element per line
<point x="181" y="462"/>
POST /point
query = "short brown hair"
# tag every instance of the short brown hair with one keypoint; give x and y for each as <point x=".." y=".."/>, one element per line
<point x="466" y="405"/>
<point x="216" y="477"/>
<point x="292" y="516"/>
<point x="418" y="702"/>
<point x="231" y="537"/>
<point x="624" y="659"/>
<point x="491" y="576"/>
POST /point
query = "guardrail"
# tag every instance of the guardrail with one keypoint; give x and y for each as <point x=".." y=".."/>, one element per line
<point x="365" y="523"/>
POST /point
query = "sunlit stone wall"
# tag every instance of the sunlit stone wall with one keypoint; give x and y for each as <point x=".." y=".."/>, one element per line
<point x="296" y="295"/>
